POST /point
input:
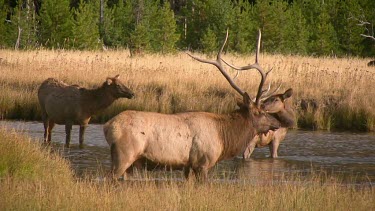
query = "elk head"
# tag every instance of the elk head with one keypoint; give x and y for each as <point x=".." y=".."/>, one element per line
<point x="276" y="103"/>
<point x="116" y="88"/>
<point x="261" y="121"/>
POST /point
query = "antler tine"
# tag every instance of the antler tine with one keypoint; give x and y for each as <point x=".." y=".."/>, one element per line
<point x="269" y="71"/>
<point x="257" y="67"/>
<point x="219" y="65"/>
<point x="274" y="91"/>
<point x="258" y="47"/>
<point x="267" y="90"/>
<point x="237" y="73"/>
<point x="235" y="67"/>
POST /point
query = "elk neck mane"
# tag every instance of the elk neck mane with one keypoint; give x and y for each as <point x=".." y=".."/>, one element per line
<point x="96" y="99"/>
<point x="286" y="116"/>
<point x="236" y="131"/>
<point x="54" y="83"/>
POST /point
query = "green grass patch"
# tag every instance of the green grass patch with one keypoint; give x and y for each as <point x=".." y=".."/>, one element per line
<point x="24" y="159"/>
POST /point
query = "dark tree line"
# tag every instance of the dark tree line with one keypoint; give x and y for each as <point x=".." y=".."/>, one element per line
<point x="304" y="27"/>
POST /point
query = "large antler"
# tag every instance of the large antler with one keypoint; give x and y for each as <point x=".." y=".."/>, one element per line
<point x="257" y="67"/>
<point x="219" y="65"/>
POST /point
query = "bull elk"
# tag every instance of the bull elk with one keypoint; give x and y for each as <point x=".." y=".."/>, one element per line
<point x="74" y="105"/>
<point x="277" y="106"/>
<point x="191" y="140"/>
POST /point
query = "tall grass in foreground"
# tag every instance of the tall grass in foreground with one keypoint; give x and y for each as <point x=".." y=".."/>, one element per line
<point x="330" y="93"/>
<point x="33" y="177"/>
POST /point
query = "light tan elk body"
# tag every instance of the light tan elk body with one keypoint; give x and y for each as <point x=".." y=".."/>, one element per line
<point x="278" y="107"/>
<point x="73" y="105"/>
<point x="193" y="140"/>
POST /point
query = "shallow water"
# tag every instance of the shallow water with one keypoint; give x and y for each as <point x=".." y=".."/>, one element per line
<point x="349" y="156"/>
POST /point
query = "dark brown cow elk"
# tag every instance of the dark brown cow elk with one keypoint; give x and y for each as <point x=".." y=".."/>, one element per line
<point x="74" y="105"/>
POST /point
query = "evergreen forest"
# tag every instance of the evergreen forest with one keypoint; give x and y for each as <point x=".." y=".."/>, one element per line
<point x="294" y="27"/>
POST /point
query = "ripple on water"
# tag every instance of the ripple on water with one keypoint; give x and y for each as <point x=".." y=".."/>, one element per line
<point x="348" y="155"/>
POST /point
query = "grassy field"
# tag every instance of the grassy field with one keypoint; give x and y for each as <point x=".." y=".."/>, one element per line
<point x="338" y="92"/>
<point x="34" y="178"/>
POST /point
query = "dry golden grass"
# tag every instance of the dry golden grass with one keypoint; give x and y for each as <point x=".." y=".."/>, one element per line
<point x="342" y="88"/>
<point x="33" y="178"/>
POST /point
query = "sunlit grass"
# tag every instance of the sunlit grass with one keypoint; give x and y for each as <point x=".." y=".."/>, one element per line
<point x="341" y="87"/>
<point x="34" y="178"/>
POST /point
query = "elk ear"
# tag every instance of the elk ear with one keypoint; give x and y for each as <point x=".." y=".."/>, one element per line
<point x="117" y="76"/>
<point x="109" y="81"/>
<point x="288" y="93"/>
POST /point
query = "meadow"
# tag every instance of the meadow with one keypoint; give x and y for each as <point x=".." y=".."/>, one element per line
<point x="329" y="93"/>
<point x="32" y="177"/>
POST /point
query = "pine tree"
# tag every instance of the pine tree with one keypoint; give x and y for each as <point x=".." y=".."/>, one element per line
<point x="140" y="39"/>
<point x="209" y="42"/>
<point x="163" y="25"/>
<point x="56" y="23"/>
<point x="348" y="29"/>
<point x="25" y="23"/>
<point x="2" y="23"/>
<point x="85" y="29"/>
<point x="323" y="38"/>
<point x="368" y="15"/>
<point x="5" y="26"/>
<point x="244" y="28"/>
<point x="326" y="41"/>
<point x="204" y="14"/>
<point x="119" y="23"/>
<point x="294" y="32"/>
<point x="271" y="18"/>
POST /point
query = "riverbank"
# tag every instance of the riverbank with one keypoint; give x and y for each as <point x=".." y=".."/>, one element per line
<point x="34" y="177"/>
<point x="329" y="93"/>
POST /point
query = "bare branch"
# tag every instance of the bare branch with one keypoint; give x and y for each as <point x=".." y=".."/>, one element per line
<point x="365" y="25"/>
<point x="368" y="36"/>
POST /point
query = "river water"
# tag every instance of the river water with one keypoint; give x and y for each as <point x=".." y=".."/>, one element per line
<point x="348" y="157"/>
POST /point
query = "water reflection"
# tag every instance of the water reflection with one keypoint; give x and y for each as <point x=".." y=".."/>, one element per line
<point x="347" y="155"/>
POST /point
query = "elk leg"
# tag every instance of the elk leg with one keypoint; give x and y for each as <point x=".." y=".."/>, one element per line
<point x="120" y="161"/>
<point x="68" y="130"/>
<point x="82" y="129"/>
<point x="273" y="146"/>
<point x="201" y="174"/>
<point x="248" y="151"/>
<point x="51" y="124"/>
<point x="137" y="166"/>
<point x="187" y="172"/>
<point x="250" y="147"/>
<point x="46" y="129"/>
<point x="45" y="124"/>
